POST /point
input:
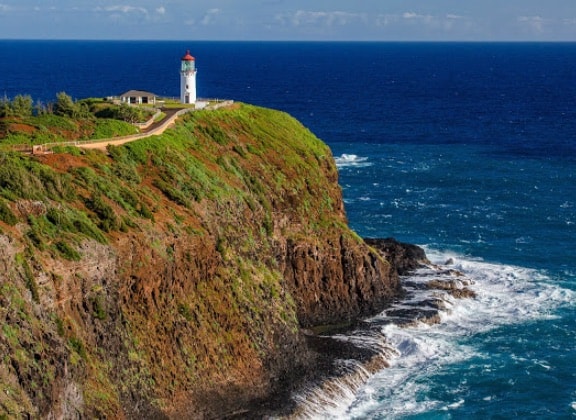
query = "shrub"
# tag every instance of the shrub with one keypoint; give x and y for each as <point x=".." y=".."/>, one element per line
<point x="78" y="346"/>
<point x="67" y="251"/>
<point x="65" y="105"/>
<point x="106" y="128"/>
<point x="171" y="193"/>
<point x="108" y="219"/>
<point x="22" y="106"/>
<point x="6" y="214"/>
<point x="29" y="276"/>
<point x="74" y="221"/>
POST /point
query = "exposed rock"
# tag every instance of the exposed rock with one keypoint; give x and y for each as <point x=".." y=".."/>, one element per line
<point x="455" y="288"/>
<point x="404" y="257"/>
<point x="172" y="277"/>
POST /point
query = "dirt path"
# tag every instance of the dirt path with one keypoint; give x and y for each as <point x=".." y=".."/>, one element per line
<point x="154" y="130"/>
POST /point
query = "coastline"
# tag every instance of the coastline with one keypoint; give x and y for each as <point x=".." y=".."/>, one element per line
<point x="349" y="354"/>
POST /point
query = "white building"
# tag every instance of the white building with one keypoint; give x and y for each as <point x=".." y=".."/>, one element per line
<point x="138" y="97"/>
<point x="188" y="80"/>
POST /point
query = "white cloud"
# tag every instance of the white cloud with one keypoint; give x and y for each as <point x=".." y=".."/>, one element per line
<point x="440" y="23"/>
<point x="319" y="18"/>
<point x="210" y="16"/>
<point x="5" y="8"/>
<point x="161" y="10"/>
<point x="388" y="19"/>
<point x="126" y="9"/>
<point x="536" y="23"/>
<point x="418" y="17"/>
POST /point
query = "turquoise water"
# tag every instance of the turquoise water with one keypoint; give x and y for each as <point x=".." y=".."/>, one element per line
<point x="466" y="149"/>
<point x="508" y="225"/>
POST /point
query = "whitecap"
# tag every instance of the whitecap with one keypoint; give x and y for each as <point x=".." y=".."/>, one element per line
<point x="350" y="160"/>
<point x="505" y="295"/>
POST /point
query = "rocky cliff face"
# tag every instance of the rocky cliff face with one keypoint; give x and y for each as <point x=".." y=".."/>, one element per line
<point x="172" y="277"/>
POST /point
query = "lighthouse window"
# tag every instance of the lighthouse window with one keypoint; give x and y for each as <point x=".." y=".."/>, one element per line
<point x="186" y="86"/>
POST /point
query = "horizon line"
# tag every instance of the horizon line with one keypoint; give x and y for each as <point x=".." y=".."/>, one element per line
<point x="318" y="41"/>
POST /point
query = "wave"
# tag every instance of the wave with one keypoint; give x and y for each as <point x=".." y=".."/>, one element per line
<point x="348" y="160"/>
<point x="415" y="351"/>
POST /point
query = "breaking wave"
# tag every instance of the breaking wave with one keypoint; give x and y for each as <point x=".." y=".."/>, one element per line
<point x="347" y="160"/>
<point x="416" y="351"/>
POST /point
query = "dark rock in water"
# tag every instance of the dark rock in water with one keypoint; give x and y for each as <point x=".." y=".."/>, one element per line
<point x="403" y="257"/>
<point x="409" y="316"/>
<point x="454" y="288"/>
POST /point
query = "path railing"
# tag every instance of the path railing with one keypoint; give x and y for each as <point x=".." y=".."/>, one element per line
<point x="102" y="143"/>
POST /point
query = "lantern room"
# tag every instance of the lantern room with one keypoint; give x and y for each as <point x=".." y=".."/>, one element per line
<point x="188" y="63"/>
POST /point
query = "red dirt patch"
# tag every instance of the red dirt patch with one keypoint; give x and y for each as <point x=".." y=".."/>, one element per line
<point x="21" y="128"/>
<point x="62" y="162"/>
<point x="15" y="127"/>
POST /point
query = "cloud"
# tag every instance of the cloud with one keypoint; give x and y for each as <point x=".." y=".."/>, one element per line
<point x="387" y="19"/>
<point x="210" y="16"/>
<point x="319" y="18"/>
<point x="124" y="13"/>
<point x="126" y="9"/>
<point x="417" y="17"/>
<point x="438" y="24"/>
<point x="536" y="23"/>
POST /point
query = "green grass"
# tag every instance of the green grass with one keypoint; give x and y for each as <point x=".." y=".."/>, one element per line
<point x="107" y="128"/>
<point x="227" y="180"/>
<point x="6" y="214"/>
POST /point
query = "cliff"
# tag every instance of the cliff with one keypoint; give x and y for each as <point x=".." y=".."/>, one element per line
<point x="174" y="276"/>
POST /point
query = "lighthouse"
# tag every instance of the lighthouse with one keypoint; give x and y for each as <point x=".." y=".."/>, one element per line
<point x="188" y="79"/>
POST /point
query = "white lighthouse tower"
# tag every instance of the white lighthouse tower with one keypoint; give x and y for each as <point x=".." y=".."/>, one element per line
<point x="188" y="80"/>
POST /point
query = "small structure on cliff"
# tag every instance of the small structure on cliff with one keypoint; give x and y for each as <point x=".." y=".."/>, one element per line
<point x="188" y="79"/>
<point x="138" y="97"/>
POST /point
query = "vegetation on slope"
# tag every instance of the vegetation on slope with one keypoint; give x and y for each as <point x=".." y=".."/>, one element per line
<point x="23" y="123"/>
<point x="149" y="273"/>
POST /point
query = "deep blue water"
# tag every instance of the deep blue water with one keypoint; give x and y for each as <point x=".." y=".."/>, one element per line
<point x="467" y="149"/>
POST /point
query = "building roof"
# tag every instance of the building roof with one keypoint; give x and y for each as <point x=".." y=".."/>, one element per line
<point x="188" y="57"/>
<point x="137" y="94"/>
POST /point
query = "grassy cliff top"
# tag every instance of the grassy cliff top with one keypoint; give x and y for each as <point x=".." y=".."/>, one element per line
<point x="173" y="266"/>
<point x="260" y="156"/>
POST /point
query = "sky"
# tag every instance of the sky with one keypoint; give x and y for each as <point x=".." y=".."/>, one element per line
<point x="300" y="20"/>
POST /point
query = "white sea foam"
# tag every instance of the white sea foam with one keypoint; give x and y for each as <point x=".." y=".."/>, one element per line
<point x="505" y="295"/>
<point x="349" y="160"/>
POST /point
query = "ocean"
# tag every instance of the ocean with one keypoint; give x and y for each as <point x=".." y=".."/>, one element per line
<point x="467" y="149"/>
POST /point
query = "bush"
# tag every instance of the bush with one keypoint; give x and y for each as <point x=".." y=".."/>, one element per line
<point x="21" y="177"/>
<point x="67" y="251"/>
<point x="106" y="128"/>
<point x="6" y="214"/>
<point x="22" y="106"/>
<point x="65" y="106"/>
<point x="108" y="219"/>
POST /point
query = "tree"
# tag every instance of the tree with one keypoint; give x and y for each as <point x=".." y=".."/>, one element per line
<point x="130" y="114"/>
<point x="65" y="105"/>
<point x="22" y="106"/>
<point x="5" y="107"/>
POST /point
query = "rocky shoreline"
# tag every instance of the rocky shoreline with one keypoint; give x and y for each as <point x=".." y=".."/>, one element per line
<point x="347" y="355"/>
<point x="205" y="274"/>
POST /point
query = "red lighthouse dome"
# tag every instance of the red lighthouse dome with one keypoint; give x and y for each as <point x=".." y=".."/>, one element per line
<point x="188" y="57"/>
